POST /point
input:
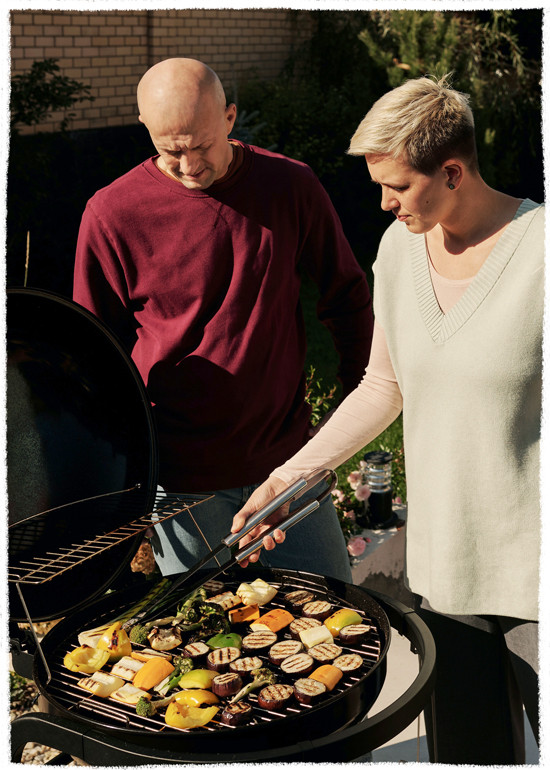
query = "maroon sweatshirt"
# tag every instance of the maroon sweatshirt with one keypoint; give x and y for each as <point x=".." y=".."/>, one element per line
<point x="203" y="287"/>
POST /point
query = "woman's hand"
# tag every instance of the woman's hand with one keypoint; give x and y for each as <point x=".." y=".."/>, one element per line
<point x="257" y="500"/>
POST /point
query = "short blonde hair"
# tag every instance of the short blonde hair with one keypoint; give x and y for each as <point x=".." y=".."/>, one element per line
<point x="424" y="121"/>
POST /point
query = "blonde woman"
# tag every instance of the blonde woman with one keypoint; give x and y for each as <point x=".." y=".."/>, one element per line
<point x="457" y="348"/>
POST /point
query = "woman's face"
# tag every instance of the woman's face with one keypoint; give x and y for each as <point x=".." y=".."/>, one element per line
<point x="419" y="200"/>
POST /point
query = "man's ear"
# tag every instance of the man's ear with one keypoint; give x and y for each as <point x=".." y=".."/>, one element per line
<point x="230" y="116"/>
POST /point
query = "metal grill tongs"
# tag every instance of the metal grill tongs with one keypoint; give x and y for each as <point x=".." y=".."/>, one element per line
<point x="292" y="492"/>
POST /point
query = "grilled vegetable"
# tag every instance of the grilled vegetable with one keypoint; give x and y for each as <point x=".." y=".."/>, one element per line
<point x="225" y="640"/>
<point x="355" y="633"/>
<point x="274" y="620"/>
<point x="226" y="600"/>
<point x="148" y="653"/>
<point x="244" y="666"/>
<point x="138" y="634"/>
<point x="148" y="708"/>
<point x="228" y="684"/>
<point x="219" y="659"/>
<point x="235" y="714"/>
<point x="308" y="690"/>
<point x="181" y="666"/>
<point x="197" y="679"/>
<point x="329" y="675"/>
<point x="275" y="697"/>
<point x="258" y="592"/>
<point x="341" y="618"/>
<point x="85" y="659"/>
<point x="101" y="684"/>
<point x="186" y="717"/>
<point x="301" y="624"/>
<point x="296" y="599"/>
<point x="325" y="652"/>
<point x="298" y="665"/>
<point x="196" y="651"/>
<point x="318" y="609"/>
<point x="281" y="650"/>
<point x="261" y="678"/>
<point x="116" y="641"/>
<point x="196" y="697"/>
<point x="127" y="667"/>
<point x="348" y="663"/>
<point x="129" y="694"/>
<point x="152" y="673"/>
<point x="164" y="638"/>
<point x="259" y="640"/>
<point x="313" y="636"/>
<point x="244" y="614"/>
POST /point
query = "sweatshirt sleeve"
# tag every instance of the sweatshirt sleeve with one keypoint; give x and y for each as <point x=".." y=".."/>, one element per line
<point x="98" y="283"/>
<point x="345" y="303"/>
<point x="359" y="419"/>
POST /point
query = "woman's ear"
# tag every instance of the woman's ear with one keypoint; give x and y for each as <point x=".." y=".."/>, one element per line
<point x="453" y="171"/>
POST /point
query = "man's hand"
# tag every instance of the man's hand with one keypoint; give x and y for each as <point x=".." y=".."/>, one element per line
<point x="262" y="496"/>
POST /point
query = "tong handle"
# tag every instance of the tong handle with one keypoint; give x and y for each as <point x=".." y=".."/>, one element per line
<point x="284" y="497"/>
<point x="297" y="516"/>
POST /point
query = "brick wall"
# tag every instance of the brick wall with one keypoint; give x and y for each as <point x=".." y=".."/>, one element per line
<point x="110" y="50"/>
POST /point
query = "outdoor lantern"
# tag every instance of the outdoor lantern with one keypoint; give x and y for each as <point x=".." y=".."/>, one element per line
<point x="378" y="478"/>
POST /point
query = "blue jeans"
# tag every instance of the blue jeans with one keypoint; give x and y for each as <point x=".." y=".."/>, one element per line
<point x="316" y="544"/>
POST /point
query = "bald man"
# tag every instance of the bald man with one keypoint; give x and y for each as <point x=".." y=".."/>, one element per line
<point x="193" y="258"/>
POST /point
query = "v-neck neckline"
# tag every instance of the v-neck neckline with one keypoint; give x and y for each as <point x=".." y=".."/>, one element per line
<point x="440" y="325"/>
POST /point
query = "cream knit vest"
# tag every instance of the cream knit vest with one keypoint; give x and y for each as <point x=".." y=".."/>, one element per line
<point x="471" y="386"/>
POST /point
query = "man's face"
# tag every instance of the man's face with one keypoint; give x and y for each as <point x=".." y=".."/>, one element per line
<point x="193" y="148"/>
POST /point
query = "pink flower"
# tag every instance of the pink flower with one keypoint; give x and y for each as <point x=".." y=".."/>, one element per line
<point x="338" y="494"/>
<point x="354" y="479"/>
<point x="350" y="515"/>
<point x="362" y="492"/>
<point x="397" y="500"/>
<point x="356" y="546"/>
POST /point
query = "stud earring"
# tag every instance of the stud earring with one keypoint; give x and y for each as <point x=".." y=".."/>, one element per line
<point x="451" y="186"/>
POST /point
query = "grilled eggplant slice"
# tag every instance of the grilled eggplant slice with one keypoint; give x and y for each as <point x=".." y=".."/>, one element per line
<point x="235" y="714"/>
<point x="225" y="685"/>
<point x="302" y="624"/>
<point x="275" y="697"/>
<point x="308" y="690"/>
<point x="318" y="609"/>
<point x="295" y="600"/>
<point x="298" y="665"/>
<point x="281" y="650"/>
<point x="325" y="652"/>
<point x="348" y="663"/>
<point x="244" y="666"/>
<point x="220" y="658"/>
<point x="197" y="651"/>
<point x="357" y="633"/>
<point x="258" y="641"/>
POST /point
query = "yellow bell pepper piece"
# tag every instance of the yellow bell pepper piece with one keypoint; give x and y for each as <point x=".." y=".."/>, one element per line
<point x="341" y="618"/>
<point x="196" y="697"/>
<point x="185" y="717"/>
<point x="197" y="679"/>
<point x="85" y="659"/>
<point x="116" y="641"/>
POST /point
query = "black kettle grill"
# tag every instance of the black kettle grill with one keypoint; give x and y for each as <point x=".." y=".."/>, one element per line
<point x="82" y="478"/>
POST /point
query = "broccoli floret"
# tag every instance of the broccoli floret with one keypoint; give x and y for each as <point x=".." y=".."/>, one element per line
<point x="147" y="708"/>
<point x="138" y="634"/>
<point x="261" y="678"/>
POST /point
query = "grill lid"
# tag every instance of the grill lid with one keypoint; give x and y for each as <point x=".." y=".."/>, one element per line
<point x="81" y="448"/>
